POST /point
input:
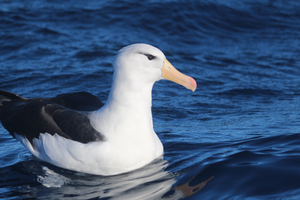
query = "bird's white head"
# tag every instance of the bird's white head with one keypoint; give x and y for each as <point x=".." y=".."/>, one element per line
<point x="145" y="63"/>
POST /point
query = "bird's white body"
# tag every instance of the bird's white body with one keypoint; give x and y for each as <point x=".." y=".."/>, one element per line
<point x="94" y="158"/>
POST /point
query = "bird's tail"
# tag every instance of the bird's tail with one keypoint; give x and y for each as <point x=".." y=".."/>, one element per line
<point x="8" y="96"/>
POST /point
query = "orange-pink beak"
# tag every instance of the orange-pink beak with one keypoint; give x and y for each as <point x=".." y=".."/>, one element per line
<point x="171" y="73"/>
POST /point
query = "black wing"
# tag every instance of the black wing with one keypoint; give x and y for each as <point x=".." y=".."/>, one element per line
<point x="30" y="117"/>
<point x="81" y="101"/>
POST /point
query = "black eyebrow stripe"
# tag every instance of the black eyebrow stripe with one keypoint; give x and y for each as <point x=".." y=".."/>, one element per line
<point x="147" y="54"/>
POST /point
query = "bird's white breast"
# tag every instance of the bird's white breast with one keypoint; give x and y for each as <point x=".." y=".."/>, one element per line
<point x="102" y="158"/>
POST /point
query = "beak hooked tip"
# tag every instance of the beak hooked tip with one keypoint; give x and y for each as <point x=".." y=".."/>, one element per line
<point x="193" y="84"/>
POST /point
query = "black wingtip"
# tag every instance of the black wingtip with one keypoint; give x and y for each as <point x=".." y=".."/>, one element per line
<point x="8" y="96"/>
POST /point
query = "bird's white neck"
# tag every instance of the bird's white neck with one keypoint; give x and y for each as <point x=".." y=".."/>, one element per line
<point x="127" y="112"/>
<point x="134" y="95"/>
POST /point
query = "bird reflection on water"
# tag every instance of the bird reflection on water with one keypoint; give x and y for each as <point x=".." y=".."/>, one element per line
<point x="156" y="181"/>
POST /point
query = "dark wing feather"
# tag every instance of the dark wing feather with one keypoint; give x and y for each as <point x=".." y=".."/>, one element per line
<point x="30" y="117"/>
<point x="75" y="124"/>
<point x="81" y="101"/>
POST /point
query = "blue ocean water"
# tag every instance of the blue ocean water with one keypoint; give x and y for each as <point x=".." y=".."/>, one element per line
<point x="236" y="137"/>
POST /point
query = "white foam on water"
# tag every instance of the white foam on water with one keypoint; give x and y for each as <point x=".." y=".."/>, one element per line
<point x="52" y="179"/>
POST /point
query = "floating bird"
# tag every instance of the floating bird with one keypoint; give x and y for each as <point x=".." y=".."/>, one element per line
<point x="76" y="131"/>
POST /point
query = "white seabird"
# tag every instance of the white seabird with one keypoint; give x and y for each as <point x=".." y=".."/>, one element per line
<point x="77" y="132"/>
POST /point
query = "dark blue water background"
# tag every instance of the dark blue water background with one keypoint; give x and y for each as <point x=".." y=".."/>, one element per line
<point x="239" y="132"/>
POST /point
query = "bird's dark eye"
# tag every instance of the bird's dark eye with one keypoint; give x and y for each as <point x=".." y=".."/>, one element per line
<point x="150" y="57"/>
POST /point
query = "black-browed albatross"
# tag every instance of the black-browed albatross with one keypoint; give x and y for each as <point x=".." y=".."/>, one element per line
<point x="77" y="131"/>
